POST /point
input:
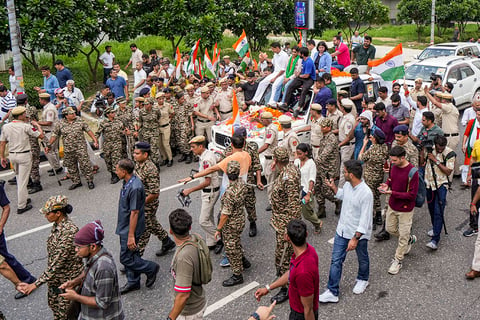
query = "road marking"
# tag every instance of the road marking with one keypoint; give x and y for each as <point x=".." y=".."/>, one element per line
<point x="234" y="295"/>
<point x="24" y="233"/>
<point x="331" y="240"/>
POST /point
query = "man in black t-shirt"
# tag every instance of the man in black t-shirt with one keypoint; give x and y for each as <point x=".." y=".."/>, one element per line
<point x="249" y="88"/>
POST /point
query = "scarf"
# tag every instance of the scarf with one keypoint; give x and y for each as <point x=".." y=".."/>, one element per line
<point x="291" y="67"/>
<point x="472" y="127"/>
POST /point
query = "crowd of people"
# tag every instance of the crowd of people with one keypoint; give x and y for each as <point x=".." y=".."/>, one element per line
<point x="401" y="144"/>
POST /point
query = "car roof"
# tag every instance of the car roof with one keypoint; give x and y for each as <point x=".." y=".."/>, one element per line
<point x="443" y="61"/>
<point x="450" y="45"/>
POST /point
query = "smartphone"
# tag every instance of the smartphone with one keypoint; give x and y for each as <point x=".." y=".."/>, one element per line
<point x="58" y="290"/>
<point x="327" y="175"/>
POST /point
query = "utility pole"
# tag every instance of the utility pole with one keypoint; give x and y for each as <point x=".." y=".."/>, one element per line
<point x="432" y="24"/>
<point x="14" y="38"/>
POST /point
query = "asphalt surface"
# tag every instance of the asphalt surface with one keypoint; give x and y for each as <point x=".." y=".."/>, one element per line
<point x="430" y="285"/>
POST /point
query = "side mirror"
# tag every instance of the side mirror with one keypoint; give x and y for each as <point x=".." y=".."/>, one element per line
<point x="452" y="81"/>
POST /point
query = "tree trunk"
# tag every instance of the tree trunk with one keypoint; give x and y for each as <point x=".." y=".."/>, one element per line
<point x="53" y="60"/>
<point x="29" y="55"/>
<point x="91" y="67"/>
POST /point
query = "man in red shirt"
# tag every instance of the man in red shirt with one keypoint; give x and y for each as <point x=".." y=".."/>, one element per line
<point x="303" y="278"/>
<point x="342" y="53"/>
<point x="403" y="190"/>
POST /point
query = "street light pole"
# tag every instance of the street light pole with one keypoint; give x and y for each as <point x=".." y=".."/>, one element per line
<point x="432" y="24"/>
<point x="14" y="38"/>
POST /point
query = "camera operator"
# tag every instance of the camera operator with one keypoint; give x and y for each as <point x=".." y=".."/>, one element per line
<point x="440" y="162"/>
<point x="436" y="84"/>
<point x="100" y="102"/>
<point x="428" y="133"/>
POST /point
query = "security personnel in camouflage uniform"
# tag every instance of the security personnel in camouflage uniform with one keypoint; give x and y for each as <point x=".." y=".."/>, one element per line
<point x="183" y="131"/>
<point x="270" y="142"/>
<point x="255" y="168"/>
<point x="125" y="115"/>
<point x="232" y="222"/>
<point x="112" y="130"/>
<point x="63" y="264"/>
<point x="290" y="139"/>
<point x="327" y="168"/>
<point x="285" y="207"/>
<point x="206" y="113"/>
<point x="146" y="170"/>
<point x="34" y="184"/>
<point x="374" y="159"/>
<point x="166" y="113"/>
<point x="71" y="129"/>
<point x="148" y="120"/>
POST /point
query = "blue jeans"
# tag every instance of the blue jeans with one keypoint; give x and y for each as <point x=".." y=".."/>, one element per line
<point x="279" y="91"/>
<point x="134" y="264"/>
<point x="338" y="257"/>
<point x="16" y="266"/>
<point x="436" y="201"/>
<point x="338" y="66"/>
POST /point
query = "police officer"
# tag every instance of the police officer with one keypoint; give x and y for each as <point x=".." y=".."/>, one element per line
<point x="166" y="113"/>
<point x="47" y="121"/>
<point x="16" y="133"/>
<point x="327" y="168"/>
<point x="112" y="130"/>
<point x="71" y="129"/>
<point x="285" y="207"/>
<point x="224" y="100"/>
<point x="346" y="138"/>
<point x="232" y="222"/>
<point x="270" y="141"/>
<point x="146" y="170"/>
<point x="148" y="120"/>
<point x="206" y="113"/>
<point x="314" y="128"/>
<point x="290" y="139"/>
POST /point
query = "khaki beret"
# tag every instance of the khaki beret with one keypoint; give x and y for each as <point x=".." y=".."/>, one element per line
<point x="342" y="92"/>
<point x="140" y="99"/>
<point x="326" y="122"/>
<point x="281" y="154"/>
<point x="439" y="94"/>
<point x="197" y="139"/>
<point x="316" y="107"/>
<point x="109" y="110"/>
<point x="226" y="57"/>
<point x="18" y="111"/>
<point x="159" y="95"/>
<point x="447" y="96"/>
<point x="210" y="84"/>
<point x="44" y="95"/>
<point x="266" y="115"/>
<point x="189" y="87"/>
<point x="204" y="89"/>
<point x="223" y="80"/>
<point x="233" y="167"/>
<point x="347" y="103"/>
<point x="283" y="119"/>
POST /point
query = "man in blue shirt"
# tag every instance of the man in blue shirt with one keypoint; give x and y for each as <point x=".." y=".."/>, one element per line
<point x="117" y="85"/>
<point x="357" y="90"/>
<point x="304" y="80"/>
<point x="130" y="226"/>
<point x="50" y="83"/>
<point x="63" y="74"/>
<point x="322" y="94"/>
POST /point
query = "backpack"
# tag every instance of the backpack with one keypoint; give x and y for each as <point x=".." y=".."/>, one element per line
<point x="422" y="190"/>
<point x="203" y="257"/>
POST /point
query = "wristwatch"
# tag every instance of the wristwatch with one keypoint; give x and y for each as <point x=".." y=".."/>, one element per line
<point x="267" y="287"/>
<point x="192" y="177"/>
<point x="437" y="162"/>
<point x="255" y="315"/>
<point x="358" y="237"/>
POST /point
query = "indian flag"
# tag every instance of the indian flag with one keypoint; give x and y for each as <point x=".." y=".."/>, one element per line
<point x="209" y="70"/>
<point x="391" y="66"/>
<point x="241" y="46"/>
<point x="193" y="57"/>
<point x="178" y="72"/>
<point x="236" y="113"/>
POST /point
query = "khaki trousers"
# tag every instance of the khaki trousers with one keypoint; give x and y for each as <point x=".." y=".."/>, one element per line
<point x="52" y="155"/>
<point x="399" y="224"/>
<point x="204" y="129"/>
<point x="164" y="143"/>
<point x="346" y="153"/>
<point x="196" y="316"/>
<point x="476" y="255"/>
<point x="22" y="163"/>
<point x="206" y="218"/>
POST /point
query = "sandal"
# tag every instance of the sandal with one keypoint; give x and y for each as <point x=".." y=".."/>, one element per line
<point x="64" y="178"/>
<point x="318" y="228"/>
<point x="95" y="169"/>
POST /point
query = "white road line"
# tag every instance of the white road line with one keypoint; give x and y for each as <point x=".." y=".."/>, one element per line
<point x="24" y="233"/>
<point x="331" y="240"/>
<point x="234" y="295"/>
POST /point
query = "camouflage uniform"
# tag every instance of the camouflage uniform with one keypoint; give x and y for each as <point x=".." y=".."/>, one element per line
<point x="181" y="126"/>
<point x="233" y="201"/>
<point x="63" y="265"/>
<point x="148" y="132"/>
<point x="327" y="162"/>
<point x="255" y="165"/>
<point x="148" y="173"/>
<point x="285" y="207"/>
<point x="127" y="118"/>
<point x="74" y="147"/>
<point x="112" y="141"/>
<point x="374" y="159"/>
<point x="32" y="114"/>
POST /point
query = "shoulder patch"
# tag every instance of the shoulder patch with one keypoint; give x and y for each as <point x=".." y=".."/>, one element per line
<point x="205" y="165"/>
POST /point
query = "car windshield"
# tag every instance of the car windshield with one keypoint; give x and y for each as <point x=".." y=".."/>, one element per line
<point x="423" y="72"/>
<point x="435" y="52"/>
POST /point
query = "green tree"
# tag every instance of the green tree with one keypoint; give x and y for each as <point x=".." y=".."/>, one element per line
<point x="4" y="31"/>
<point x="416" y="11"/>
<point x="460" y="11"/>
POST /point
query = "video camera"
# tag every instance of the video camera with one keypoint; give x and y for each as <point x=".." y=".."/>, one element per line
<point x="428" y="145"/>
<point x="100" y="103"/>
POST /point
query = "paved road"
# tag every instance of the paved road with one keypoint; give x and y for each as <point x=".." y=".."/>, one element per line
<point x="431" y="285"/>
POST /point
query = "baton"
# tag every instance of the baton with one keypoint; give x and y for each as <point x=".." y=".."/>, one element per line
<point x="54" y="170"/>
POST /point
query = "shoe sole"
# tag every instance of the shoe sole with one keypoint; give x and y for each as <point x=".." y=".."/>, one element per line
<point x="328" y="301"/>
<point x="468" y="235"/>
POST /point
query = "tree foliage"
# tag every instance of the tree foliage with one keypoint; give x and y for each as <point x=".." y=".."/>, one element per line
<point x="460" y="11"/>
<point x="416" y="11"/>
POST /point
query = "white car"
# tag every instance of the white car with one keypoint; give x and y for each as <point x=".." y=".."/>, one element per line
<point x="462" y="72"/>
<point x="222" y="132"/>
<point x="447" y="49"/>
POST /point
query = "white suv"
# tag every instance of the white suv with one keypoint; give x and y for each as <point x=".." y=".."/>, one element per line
<point x="466" y="49"/>
<point x="462" y="72"/>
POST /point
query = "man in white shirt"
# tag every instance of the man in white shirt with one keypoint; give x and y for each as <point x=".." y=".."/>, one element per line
<point x="7" y="103"/>
<point x="280" y="61"/>
<point x="417" y="120"/>
<point x="354" y="229"/>
<point x="140" y="78"/>
<point x="356" y="40"/>
<point x="136" y="56"/>
<point x="107" y="59"/>
<point x="12" y="80"/>
<point x="312" y="48"/>
<point x="74" y="94"/>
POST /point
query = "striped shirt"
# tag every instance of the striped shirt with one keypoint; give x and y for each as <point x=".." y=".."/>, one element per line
<point x="7" y="103"/>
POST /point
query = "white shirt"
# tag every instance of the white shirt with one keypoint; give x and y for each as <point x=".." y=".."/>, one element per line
<point x="107" y="59"/>
<point x="417" y="121"/>
<point x="136" y="57"/>
<point x="357" y="211"/>
<point x="13" y="83"/>
<point x="468" y="115"/>
<point x="139" y="75"/>
<point x="313" y="52"/>
<point x="280" y="61"/>
<point x="307" y="173"/>
<point x="76" y="95"/>
<point x="356" y="41"/>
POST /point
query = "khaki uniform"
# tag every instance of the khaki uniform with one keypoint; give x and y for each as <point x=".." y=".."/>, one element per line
<point x="203" y="126"/>
<point x="148" y="173"/>
<point x="166" y="111"/>
<point x="346" y="152"/>
<point x="327" y="163"/>
<point x="285" y="207"/>
<point x="148" y="132"/>
<point x="271" y="137"/>
<point x="315" y="135"/>
<point x="290" y="142"/>
<point x="112" y="132"/>
<point x="450" y="128"/>
<point x="50" y="114"/>
<point x="374" y="159"/>
<point x="224" y="98"/>
<point x="336" y="116"/>
<point x="62" y="265"/>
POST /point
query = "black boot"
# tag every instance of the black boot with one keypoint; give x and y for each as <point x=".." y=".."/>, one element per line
<point x="218" y="246"/>
<point x="253" y="229"/>
<point x="167" y="245"/>
<point x="233" y="280"/>
<point x="182" y="158"/>
<point x="114" y="178"/>
<point x="30" y="183"/>
<point x="322" y="214"/>
<point x="383" y="234"/>
<point x="164" y="163"/>
<point x="170" y="163"/>
<point x="36" y="187"/>
<point x="189" y="158"/>
<point x="378" y="218"/>
<point x="246" y="263"/>
<point x="281" y="296"/>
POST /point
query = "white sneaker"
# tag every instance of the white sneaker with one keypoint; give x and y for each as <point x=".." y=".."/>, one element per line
<point x="430" y="233"/>
<point x="328" y="296"/>
<point x="360" y="286"/>
<point x="432" y="245"/>
<point x="412" y="240"/>
<point x="395" y="267"/>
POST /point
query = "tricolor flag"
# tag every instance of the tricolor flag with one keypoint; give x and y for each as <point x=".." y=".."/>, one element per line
<point x="178" y="66"/>
<point x="301" y="39"/>
<point x="391" y="66"/>
<point x="241" y="46"/>
<point x="236" y="113"/>
<point x="208" y="70"/>
<point x="193" y="58"/>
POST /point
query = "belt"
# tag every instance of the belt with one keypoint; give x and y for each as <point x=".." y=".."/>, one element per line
<point x="211" y="190"/>
<point x="164" y="125"/>
<point x="46" y="131"/>
<point x="315" y="146"/>
<point x="269" y="157"/>
<point x="26" y="151"/>
<point x="451" y="134"/>
<point x="204" y="121"/>
<point x="226" y="112"/>
<point x="348" y="144"/>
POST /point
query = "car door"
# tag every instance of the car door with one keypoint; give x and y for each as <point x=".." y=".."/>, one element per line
<point x="465" y="85"/>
